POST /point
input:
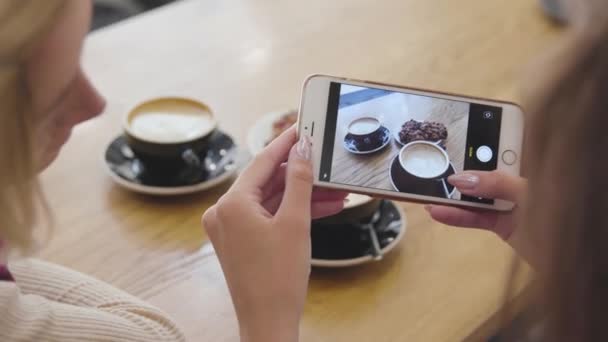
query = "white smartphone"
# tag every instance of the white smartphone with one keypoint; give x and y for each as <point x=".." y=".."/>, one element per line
<point x="402" y="143"/>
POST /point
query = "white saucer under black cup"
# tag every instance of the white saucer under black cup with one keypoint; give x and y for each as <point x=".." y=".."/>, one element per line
<point x="350" y="243"/>
<point x="404" y="182"/>
<point x="218" y="163"/>
<point x="261" y="133"/>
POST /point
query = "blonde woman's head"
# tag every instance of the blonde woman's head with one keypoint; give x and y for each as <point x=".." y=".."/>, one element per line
<point x="44" y="94"/>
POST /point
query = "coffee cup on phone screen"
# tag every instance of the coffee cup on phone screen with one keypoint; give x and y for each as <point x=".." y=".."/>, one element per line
<point x="424" y="159"/>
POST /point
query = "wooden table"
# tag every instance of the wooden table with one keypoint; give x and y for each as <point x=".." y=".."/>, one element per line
<point x="245" y="58"/>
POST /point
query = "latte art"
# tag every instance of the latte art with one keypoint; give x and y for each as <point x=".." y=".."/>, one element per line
<point x="424" y="161"/>
<point x="170" y="127"/>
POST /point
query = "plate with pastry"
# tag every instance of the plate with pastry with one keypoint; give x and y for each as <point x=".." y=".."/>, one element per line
<point x="413" y="130"/>
<point x="268" y="127"/>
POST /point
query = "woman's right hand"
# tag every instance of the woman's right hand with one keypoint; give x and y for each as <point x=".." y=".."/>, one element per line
<point x="484" y="184"/>
<point x="496" y="185"/>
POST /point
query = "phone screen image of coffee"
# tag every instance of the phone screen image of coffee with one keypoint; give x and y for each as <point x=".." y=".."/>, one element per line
<point x="363" y="126"/>
<point x="392" y="110"/>
<point x="423" y="160"/>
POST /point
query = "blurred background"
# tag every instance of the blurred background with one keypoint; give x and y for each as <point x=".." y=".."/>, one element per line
<point x="108" y="12"/>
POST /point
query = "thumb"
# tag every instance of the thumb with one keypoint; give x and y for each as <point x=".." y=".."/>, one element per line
<point x="298" y="182"/>
<point x="494" y="184"/>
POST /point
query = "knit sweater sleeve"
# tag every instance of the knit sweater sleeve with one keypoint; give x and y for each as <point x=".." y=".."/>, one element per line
<point x="51" y="303"/>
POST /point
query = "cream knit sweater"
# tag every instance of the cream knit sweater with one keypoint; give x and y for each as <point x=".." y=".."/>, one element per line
<point x="51" y="303"/>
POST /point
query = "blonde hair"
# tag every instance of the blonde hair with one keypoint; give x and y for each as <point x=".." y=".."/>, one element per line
<point x="22" y="24"/>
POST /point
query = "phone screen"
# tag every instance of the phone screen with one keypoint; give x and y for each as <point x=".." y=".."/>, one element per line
<point x="387" y="140"/>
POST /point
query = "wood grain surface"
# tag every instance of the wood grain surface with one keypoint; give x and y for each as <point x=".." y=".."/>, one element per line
<point x="247" y="58"/>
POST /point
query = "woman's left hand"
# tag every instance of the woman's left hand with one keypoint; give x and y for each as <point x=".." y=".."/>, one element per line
<point x="260" y="230"/>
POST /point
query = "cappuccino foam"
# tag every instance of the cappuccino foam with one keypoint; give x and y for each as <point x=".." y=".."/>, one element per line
<point x="424" y="161"/>
<point x="170" y="127"/>
<point x="363" y="126"/>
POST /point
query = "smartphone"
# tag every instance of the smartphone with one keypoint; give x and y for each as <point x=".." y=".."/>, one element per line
<point x="402" y="143"/>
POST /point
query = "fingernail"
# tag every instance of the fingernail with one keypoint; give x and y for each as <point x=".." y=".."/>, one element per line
<point x="346" y="201"/>
<point x="464" y="180"/>
<point x="428" y="208"/>
<point x="304" y="147"/>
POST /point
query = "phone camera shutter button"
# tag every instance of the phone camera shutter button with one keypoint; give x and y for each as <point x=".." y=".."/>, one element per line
<point x="484" y="154"/>
<point x="509" y="157"/>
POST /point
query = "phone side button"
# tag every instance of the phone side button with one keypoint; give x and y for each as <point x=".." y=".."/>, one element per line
<point x="509" y="157"/>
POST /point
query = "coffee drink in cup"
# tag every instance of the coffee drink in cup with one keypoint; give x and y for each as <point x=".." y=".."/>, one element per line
<point x="166" y="127"/>
<point x="424" y="159"/>
<point x="364" y="126"/>
<point x="169" y="133"/>
<point x="171" y="121"/>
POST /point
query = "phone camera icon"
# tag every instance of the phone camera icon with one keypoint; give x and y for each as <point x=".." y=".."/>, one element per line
<point x="488" y="115"/>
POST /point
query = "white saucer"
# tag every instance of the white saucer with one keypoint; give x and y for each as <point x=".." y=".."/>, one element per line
<point x="396" y="136"/>
<point x="350" y="148"/>
<point x="261" y="132"/>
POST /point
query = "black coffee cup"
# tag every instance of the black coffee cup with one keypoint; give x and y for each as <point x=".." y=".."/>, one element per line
<point x="169" y="134"/>
<point x="366" y="132"/>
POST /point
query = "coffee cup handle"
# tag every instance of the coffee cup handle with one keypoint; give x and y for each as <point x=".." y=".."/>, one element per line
<point x="191" y="158"/>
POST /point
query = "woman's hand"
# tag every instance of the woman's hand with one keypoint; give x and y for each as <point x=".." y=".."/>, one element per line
<point x="484" y="184"/>
<point x="496" y="185"/>
<point x="260" y="230"/>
